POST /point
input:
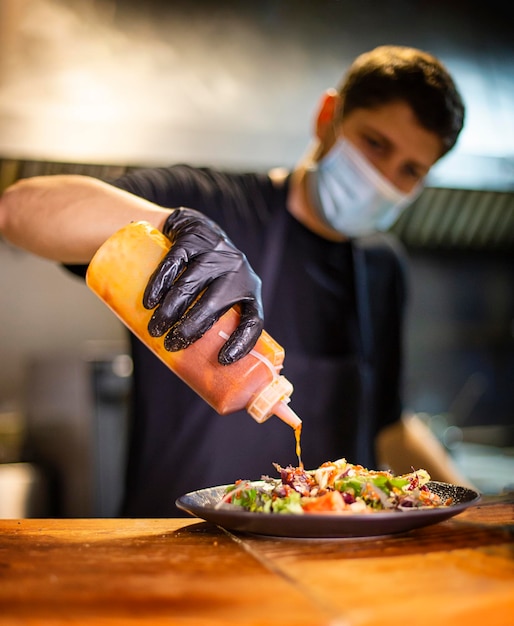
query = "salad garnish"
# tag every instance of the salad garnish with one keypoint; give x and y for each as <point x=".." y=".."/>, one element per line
<point x="334" y="487"/>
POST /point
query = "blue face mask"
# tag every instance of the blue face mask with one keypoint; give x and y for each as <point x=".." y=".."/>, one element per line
<point x="351" y="196"/>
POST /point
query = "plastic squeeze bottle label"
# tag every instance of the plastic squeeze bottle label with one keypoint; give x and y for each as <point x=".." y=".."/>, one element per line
<point x="119" y="273"/>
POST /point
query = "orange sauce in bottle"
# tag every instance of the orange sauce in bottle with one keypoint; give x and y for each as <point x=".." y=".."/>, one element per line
<point x="119" y="273"/>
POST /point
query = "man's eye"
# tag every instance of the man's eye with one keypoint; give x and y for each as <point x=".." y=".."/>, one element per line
<point x="374" y="144"/>
<point x="412" y="173"/>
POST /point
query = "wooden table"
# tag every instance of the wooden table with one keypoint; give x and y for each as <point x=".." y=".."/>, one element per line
<point x="187" y="572"/>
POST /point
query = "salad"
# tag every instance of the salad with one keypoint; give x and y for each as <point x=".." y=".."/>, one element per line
<point x="334" y="487"/>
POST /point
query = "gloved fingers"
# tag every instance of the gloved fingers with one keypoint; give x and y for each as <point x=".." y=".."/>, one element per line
<point x="187" y="246"/>
<point x="206" y="311"/>
<point x="164" y="276"/>
<point x="201" y="277"/>
<point x="195" y="322"/>
<point x="245" y="336"/>
<point x="229" y="287"/>
<point x="180" y="297"/>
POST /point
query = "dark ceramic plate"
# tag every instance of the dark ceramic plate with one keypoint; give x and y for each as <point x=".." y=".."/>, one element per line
<point x="203" y="503"/>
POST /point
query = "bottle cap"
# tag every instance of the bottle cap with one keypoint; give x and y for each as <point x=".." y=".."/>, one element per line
<point x="261" y="407"/>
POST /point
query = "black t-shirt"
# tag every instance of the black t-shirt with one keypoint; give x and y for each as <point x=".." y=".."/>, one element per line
<point x="178" y="443"/>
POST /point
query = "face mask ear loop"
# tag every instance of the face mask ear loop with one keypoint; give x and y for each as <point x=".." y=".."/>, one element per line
<point x="338" y="111"/>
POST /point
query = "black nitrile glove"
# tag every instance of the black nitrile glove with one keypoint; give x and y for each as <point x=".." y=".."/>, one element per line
<point x="205" y="268"/>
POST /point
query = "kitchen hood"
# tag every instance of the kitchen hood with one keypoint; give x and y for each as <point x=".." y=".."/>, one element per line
<point x="459" y="219"/>
<point x="468" y="204"/>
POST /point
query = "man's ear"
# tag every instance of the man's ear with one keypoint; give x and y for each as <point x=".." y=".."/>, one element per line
<point x="327" y="108"/>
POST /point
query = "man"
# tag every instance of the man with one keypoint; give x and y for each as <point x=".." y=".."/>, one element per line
<point x="333" y="289"/>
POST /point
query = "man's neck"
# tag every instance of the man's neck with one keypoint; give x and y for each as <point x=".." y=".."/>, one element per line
<point x="300" y="206"/>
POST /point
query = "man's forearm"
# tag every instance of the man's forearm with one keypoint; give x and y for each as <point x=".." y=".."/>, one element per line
<point x="66" y="217"/>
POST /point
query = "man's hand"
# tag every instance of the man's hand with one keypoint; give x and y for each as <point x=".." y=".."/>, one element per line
<point x="200" y="278"/>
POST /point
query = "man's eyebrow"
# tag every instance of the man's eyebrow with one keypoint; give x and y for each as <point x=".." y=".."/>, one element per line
<point x="378" y="133"/>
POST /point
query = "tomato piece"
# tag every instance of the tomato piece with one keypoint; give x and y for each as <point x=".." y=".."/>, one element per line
<point x="330" y="502"/>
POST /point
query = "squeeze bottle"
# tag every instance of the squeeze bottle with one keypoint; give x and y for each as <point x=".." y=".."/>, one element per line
<point x="119" y="273"/>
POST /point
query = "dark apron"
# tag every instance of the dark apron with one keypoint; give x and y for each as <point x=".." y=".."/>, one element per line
<point x="343" y="385"/>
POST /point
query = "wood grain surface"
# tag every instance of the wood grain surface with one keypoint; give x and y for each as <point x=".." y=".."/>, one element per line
<point x="187" y="572"/>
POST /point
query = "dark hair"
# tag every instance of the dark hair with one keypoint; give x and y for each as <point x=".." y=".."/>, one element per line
<point x="390" y="73"/>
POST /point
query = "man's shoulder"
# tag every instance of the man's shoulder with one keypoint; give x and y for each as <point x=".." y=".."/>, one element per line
<point x="189" y="185"/>
<point x="188" y="174"/>
<point x="213" y="175"/>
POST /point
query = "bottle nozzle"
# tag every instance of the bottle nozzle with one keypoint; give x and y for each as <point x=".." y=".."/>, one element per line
<point x="287" y="415"/>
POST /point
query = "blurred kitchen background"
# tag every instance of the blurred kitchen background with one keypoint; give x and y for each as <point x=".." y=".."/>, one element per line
<point x="99" y="86"/>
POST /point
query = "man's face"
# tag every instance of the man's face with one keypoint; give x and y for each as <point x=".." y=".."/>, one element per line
<point x="392" y="139"/>
<point x="389" y="136"/>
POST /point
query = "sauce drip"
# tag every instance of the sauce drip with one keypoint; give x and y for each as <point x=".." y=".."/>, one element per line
<point x="297" y="436"/>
